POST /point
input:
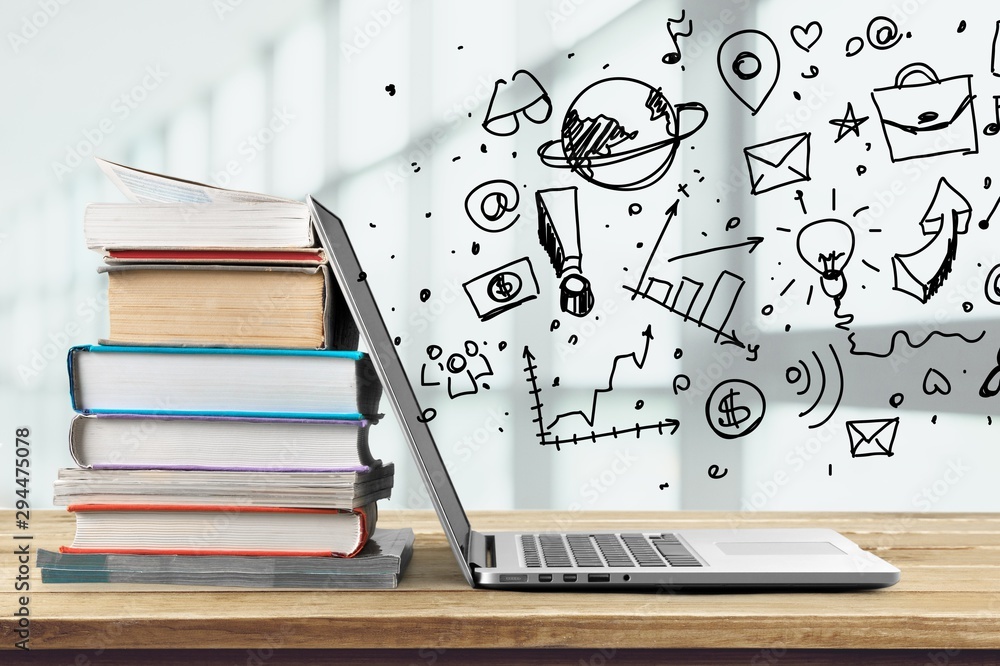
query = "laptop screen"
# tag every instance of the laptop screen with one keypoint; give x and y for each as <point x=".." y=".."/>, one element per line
<point x="395" y="383"/>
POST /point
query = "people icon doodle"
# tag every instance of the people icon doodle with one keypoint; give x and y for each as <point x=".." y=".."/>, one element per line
<point x="461" y="371"/>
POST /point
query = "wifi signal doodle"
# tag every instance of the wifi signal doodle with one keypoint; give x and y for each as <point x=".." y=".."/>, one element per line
<point x="801" y="374"/>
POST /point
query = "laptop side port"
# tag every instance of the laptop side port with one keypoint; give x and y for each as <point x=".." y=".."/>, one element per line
<point x="599" y="578"/>
<point x="569" y="578"/>
<point x="544" y="578"/>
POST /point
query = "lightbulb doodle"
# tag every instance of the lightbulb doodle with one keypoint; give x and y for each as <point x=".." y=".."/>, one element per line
<point x="827" y="246"/>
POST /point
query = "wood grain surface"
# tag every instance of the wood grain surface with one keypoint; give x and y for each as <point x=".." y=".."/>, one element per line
<point x="947" y="603"/>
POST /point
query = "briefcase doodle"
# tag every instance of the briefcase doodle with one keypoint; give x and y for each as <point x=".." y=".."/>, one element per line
<point x="923" y="115"/>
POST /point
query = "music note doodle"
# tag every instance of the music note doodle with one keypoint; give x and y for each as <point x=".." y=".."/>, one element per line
<point x="735" y="408"/>
<point x="993" y="128"/>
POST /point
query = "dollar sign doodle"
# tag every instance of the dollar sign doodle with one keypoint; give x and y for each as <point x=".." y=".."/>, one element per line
<point x="504" y="286"/>
<point x="732" y="412"/>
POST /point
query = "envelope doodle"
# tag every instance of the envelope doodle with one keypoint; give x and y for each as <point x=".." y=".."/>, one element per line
<point x="777" y="163"/>
<point x="872" y="437"/>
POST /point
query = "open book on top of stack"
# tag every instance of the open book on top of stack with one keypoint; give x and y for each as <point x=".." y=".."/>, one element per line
<point x="227" y="413"/>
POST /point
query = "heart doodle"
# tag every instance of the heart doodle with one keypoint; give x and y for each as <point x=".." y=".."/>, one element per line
<point x="806" y="38"/>
<point x="935" y="382"/>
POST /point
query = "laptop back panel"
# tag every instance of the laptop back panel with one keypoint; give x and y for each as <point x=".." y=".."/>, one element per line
<point x="395" y="384"/>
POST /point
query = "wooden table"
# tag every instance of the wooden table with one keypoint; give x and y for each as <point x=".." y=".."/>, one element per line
<point x="945" y="610"/>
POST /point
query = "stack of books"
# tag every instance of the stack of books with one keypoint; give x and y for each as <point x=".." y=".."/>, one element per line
<point x="222" y="428"/>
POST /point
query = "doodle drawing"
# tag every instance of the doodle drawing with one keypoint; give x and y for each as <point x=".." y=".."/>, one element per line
<point x="489" y="203"/>
<point x="545" y="437"/>
<point x="806" y="38"/>
<point x="795" y="375"/>
<point x="502" y="288"/>
<point x="620" y="134"/>
<point x="827" y="246"/>
<point x="849" y="123"/>
<point x="683" y="299"/>
<point x="559" y="234"/>
<point x="924" y="115"/>
<point x="673" y="56"/>
<point x="749" y="64"/>
<point x="922" y="272"/>
<point x="872" y="437"/>
<point x="523" y="95"/>
<point x="735" y="408"/>
<point x="777" y="163"/>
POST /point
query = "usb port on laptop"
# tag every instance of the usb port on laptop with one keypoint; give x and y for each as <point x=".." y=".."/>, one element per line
<point x="599" y="578"/>
<point x="544" y="578"/>
<point x="569" y="578"/>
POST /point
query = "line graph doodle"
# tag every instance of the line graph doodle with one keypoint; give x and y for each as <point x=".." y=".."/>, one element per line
<point x="639" y="363"/>
<point x="545" y="436"/>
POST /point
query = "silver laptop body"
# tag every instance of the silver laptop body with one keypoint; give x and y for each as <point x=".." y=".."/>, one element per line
<point x="663" y="560"/>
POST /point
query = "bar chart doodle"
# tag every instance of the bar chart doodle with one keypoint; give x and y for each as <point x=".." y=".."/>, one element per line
<point x="685" y="298"/>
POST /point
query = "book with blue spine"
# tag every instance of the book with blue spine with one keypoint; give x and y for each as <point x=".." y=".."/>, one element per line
<point x="223" y="381"/>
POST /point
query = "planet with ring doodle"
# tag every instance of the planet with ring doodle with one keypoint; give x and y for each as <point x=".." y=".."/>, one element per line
<point x="621" y="134"/>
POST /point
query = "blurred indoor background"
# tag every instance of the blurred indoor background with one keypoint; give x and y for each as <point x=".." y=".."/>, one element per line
<point x="366" y="105"/>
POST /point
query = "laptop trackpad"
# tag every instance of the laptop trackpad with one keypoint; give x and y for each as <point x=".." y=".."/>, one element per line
<point x="778" y="548"/>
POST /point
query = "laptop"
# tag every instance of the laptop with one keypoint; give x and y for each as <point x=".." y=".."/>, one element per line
<point x="664" y="559"/>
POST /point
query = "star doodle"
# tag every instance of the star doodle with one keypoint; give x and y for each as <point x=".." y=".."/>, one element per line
<point x="850" y="123"/>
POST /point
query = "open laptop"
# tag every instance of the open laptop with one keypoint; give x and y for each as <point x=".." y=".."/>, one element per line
<point x="663" y="559"/>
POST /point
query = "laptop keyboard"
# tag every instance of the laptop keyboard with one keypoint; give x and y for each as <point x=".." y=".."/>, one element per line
<point x="605" y="550"/>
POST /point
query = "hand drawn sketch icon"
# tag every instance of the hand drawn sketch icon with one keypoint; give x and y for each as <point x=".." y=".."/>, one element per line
<point x="735" y="408"/>
<point x="620" y="134"/>
<point x="872" y="437"/>
<point x="924" y="115"/>
<point x="502" y="288"/>
<point x="523" y="95"/>
<point x="922" y="272"/>
<point x="777" y="163"/>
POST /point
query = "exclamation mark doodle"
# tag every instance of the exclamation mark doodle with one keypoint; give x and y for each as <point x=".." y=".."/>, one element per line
<point x="829" y="470"/>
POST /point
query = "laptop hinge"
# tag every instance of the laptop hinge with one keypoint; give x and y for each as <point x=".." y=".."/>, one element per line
<point x="481" y="555"/>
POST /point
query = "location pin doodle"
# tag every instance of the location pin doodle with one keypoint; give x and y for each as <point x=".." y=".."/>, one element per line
<point x="749" y="65"/>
